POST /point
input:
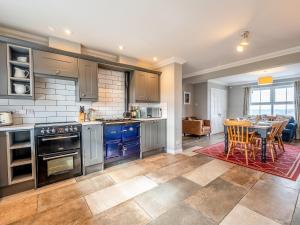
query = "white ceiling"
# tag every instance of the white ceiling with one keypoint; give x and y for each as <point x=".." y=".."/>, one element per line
<point x="278" y="73"/>
<point x="203" y="32"/>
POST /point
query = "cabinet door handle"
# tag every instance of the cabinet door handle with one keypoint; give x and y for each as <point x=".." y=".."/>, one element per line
<point x="83" y="94"/>
<point x="57" y="72"/>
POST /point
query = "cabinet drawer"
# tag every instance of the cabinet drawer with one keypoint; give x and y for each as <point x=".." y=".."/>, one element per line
<point x="55" y="64"/>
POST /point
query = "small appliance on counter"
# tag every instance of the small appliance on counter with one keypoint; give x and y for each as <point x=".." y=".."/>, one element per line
<point x="6" y="118"/>
<point x="153" y="112"/>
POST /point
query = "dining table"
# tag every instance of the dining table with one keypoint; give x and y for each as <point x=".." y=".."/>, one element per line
<point x="262" y="129"/>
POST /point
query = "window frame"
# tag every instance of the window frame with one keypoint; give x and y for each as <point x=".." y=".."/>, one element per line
<point x="272" y="97"/>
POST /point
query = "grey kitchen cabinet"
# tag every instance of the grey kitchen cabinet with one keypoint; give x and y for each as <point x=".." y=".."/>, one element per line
<point x="54" y="64"/>
<point x="3" y="160"/>
<point x="153" y="135"/>
<point x="3" y="70"/>
<point x="88" y="80"/>
<point x="144" y="87"/>
<point x="92" y="147"/>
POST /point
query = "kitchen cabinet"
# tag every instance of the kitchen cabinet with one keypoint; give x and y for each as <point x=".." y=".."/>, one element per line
<point x="88" y="80"/>
<point x="3" y="70"/>
<point x="144" y="87"/>
<point x="3" y="160"/>
<point x="54" y="64"/>
<point x="153" y="135"/>
<point x="92" y="147"/>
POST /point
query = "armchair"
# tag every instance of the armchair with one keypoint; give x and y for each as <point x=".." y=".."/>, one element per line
<point x="289" y="132"/>
<point x="196" y="126"/>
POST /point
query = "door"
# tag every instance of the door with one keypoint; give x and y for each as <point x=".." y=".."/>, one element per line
<point x="88" y="80"/>
<point x="92" y="145"/>
<point x="218" y="109"/>
<point x="55" y="64"/>
<point x="140" y="86"/>
<point x="152" y="86"/>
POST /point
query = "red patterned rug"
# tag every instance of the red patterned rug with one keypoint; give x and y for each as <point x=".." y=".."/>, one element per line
<point x="287" y="164"/>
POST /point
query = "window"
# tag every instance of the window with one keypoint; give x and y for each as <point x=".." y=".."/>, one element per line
<point x="276" y="100"/>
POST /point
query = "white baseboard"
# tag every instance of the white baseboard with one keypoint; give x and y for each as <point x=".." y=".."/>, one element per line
<point x="174" y="151"/>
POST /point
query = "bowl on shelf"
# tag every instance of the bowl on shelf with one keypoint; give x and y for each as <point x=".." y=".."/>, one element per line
<point x="22" y="59"/>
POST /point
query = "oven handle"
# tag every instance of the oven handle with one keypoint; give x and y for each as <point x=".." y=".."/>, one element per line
<point x="59" y="138"/>
<point x="59" y="156"/>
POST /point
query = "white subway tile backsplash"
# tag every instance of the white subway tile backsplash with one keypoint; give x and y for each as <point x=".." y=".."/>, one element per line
<point x="55" y="100"/>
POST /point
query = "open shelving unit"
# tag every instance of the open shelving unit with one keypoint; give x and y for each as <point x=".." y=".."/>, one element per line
<point x="20" y="156"/>
<point x="13" y="63"/>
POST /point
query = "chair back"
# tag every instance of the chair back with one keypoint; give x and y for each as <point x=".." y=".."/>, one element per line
<point x="275" y="130"/>
<point x="283" y="125"/>
<point x="238" y="131"/>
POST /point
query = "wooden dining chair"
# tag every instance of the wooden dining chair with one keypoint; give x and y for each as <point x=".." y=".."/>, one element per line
<point x="271" y="139"/>
<point x="278" y="137"/>
<point x="239" y="135"/>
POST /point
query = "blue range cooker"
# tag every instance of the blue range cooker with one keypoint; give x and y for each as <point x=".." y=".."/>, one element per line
<point x="121" y="140"/>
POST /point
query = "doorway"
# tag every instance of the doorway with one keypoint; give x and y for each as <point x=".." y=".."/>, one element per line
<point x="218" y="109"/>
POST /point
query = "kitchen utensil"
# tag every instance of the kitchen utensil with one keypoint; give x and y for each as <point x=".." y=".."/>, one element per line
<point x="22" y="59"/>
<point x="6" y="118"/>
<point x="20" y="73"/>
<point x="20" y="89"/>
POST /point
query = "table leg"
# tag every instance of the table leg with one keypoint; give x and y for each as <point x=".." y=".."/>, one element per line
<point x="263" y="150"/>
<point x="226" y="143"/>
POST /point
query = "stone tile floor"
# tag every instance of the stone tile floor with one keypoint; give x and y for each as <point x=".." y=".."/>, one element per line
<point x="163" y="189"/>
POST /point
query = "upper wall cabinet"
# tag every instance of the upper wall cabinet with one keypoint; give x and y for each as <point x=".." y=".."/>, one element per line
<point x="3" y="70"/>
<point x="144" y="87"/>
<point x="54" y="64"/>
<point x="88" y="80"/>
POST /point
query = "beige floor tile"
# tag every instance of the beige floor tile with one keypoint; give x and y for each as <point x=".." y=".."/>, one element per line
<point x="167" y="195"/>
<point x="59" y="196"/>
<point x="128" y="213"/>
<point x="11" y="211"/>
<point x="272" y="201"/>
<point x="119" y="193"/>
<point x="190" y="151"/>
<point x="174" y="170"/>
<point x="206" y="173"/>
<point x="242" y="176"/>
<point x="281" y="181"/>
<point x="296" y="216"/>
<point x="72" y="212"/>
<point x="125" y="174"/>
<point x="216" y="199"/>
<point x="241" y="215"/>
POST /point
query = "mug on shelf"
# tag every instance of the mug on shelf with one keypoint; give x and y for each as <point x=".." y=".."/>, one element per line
<point x="21" y="89"/>
<point x="20" y="73"/>
<point x="22" y="59"/>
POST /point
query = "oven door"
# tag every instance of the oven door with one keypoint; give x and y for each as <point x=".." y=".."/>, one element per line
<point x="60" y="166"/>
<point x="57" y="143"/>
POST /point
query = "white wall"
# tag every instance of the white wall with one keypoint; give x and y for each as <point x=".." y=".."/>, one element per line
<point x="55" y="100"/>
<point x="171" y="94"/>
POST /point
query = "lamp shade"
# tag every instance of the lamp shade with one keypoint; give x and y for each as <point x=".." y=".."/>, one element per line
<point x="265" y="80"/>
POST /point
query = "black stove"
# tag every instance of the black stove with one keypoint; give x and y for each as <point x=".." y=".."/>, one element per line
<point x="58" y="152"/>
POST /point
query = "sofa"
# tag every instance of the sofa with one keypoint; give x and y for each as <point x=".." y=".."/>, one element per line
<point x="194" y="126"/>
<point x="289" y="132"/>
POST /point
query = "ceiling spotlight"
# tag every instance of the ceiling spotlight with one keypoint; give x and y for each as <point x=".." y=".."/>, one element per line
<point x="68" y="32"/>
<point x="240" y="48"/>
<point x="244" y="39"/>
<point x="155" y="59"/>
<point x="121" y="47"/>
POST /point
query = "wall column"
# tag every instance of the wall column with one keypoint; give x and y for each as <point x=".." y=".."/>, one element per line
<point x="171" y="94"/>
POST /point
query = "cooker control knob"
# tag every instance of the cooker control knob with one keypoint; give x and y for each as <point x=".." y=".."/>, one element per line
<point x="67" y="129"/>
<point x="71" y="129"/>
<point x="42" y="131"/>
<point x="53" y="131"/>
<point x="75" y="128"/>
<point x="48" y="131"/>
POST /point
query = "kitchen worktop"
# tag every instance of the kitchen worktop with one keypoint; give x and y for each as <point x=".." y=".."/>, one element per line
<point x="17" y="127"/>
<point x="91" y="123"/>
<point x="148" y="119"/>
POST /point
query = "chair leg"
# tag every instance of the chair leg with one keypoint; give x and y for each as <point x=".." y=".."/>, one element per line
<point x="246" y="153"/>
<point x="253" y="151"/>
<point x="274" y="149"/>
<point x="229" y="149"/>
<point x="271" y="151"/>
<point x="281" y="143"/>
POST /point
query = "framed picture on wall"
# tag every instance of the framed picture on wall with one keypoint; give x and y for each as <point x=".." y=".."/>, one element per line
<point x="187" y="98"/>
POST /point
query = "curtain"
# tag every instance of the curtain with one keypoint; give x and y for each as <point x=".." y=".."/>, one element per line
<point x="246" y="101"/>
<point x="297" y="106"/>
